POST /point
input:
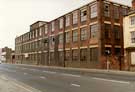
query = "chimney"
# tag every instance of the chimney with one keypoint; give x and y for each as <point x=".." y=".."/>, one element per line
<point x="133" y="4"/>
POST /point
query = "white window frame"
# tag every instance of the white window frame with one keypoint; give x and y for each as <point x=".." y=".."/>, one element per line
<point x="93" y="10"/>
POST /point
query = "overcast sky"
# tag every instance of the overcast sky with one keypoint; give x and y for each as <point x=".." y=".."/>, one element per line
<point x="17" y="15"/>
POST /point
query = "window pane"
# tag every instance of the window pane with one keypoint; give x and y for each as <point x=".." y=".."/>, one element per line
<point x="75" y="35"/>
<point x="83" y="15"/>
<point x="75" y="17"/>
<point x="83" y="55"/>
<point x="75" y="55"/>
<point x="94" y="31"/>
<point x="83" y="33"/>
<point x="133" y="37"/>
<point x="67" y="20"/>
<point x="106" y="10"/>
<point x="67" y="37"/>
<point x="93" y="11"/>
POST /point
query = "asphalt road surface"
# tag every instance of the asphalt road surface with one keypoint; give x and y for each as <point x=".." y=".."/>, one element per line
<point x="58" y="80"/>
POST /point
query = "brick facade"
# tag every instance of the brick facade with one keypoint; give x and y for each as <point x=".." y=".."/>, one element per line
<point x="76" y="39"/>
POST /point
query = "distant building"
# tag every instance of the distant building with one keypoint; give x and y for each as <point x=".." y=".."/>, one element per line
<point x="129" y="39"/>
<point x="79" y="38"/>
<point x="6" y="55"/>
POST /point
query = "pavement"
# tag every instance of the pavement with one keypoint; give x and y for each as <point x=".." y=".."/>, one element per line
<point x="58" y="79"/>
<point x="8" y="85"/>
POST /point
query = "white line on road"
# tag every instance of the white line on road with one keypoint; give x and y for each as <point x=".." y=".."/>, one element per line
<point x="76" y="85"/>
<point x="42" y="77"/>
<point x="71" y="75"/>
<point x="23" y="87"/>
<point x="50" y="72"/>
<point x="116" y="81"/>
<point x="25" y="73"/>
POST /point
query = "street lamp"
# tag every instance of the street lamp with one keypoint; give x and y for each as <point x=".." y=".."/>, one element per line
<point x="107" y="53"/>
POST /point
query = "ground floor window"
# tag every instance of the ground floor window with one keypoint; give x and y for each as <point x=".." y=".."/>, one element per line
<point x="52" y="56"/>
<point x="67" y="55"/>
<point x="94" y="54"/>
<point x="75" y="55"/>
<point x="83" y="54"/>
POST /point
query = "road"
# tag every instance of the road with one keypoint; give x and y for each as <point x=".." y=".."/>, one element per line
<point x="58" y="80"/>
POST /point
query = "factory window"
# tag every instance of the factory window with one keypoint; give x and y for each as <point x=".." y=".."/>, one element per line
<point x="116" y="32"/>
<point x="67" y="55"/>
<point x="61" y="22"/>
<point x="61" y="38"/>
<point x="74" y="55"/>
<point x="94" y="31"/>
<point x="83" y="15"/>
<point x="107" y="31"/>
<point x="93" y="10"/>
<point x="75" y="35"/>
<point x="46" y="29"/>
<point x="83" y="33"/>
<point x="67" y="37"/>
<point x="53" y="26"/>
<point x="75" y="17"/>
<point x="106" y="10"/>
<point x="94" y="54"/>
<point x="116" y="12"/>
<point x="83" y="54"/>
<point x="67" y="20"/>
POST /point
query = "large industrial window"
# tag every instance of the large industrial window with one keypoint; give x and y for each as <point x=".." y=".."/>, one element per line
<point x="75" y="35"/>
<point x="74" y="55"/>
<point x="94" y="54"/>
<point x="93" y="10"/>
<point x="83" y="33"/>
<point x="116" y="12"/>
<point x="61" y="22"/>
<point x="67" y="37"/>
<point x="106" y="10"/>
<point x="75" y="17"/>
<point x="133" y="37"/>
<point x="107" y="31"/>
<point x="61" y="38"/>
<point x="83" y="15"/>
<point x="46" y="29"/>
<point x="117" y="32"/>
<point x="67" y="55"/>
<point x="83" y="54"/>
<point x="94" y="31"/>
<point x="53" y="26"/>
<point x="67" y="20"/>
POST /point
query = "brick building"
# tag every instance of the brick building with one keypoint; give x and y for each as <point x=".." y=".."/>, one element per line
<point x="79" y="38"/>
<point x="6" y="55"/>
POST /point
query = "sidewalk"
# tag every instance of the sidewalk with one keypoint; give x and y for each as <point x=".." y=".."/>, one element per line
<point x="84" y="71"/>
<point x="8" y="85"/>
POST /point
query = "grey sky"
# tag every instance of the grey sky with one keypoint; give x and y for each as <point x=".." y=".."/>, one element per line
<point x="17" y="15"/>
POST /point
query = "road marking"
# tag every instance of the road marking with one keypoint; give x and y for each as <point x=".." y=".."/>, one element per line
<point x="33" y="69"/>
<point x="76" y="85"/>
<point x="71" y="75"/>
<point x="24" y="68"/>
<point x="25" y="73"/>
<point x="50" y="72"/>
<point x="115" y="81"/>
<point x="23" y="87"/>
<point x="42" y="77"/>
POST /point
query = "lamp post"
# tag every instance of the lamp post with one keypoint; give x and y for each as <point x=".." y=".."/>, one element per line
<point x="107" y="52"/>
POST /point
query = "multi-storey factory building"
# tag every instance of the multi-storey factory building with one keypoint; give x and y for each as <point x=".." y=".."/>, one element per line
<point x="85" y="37"/>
